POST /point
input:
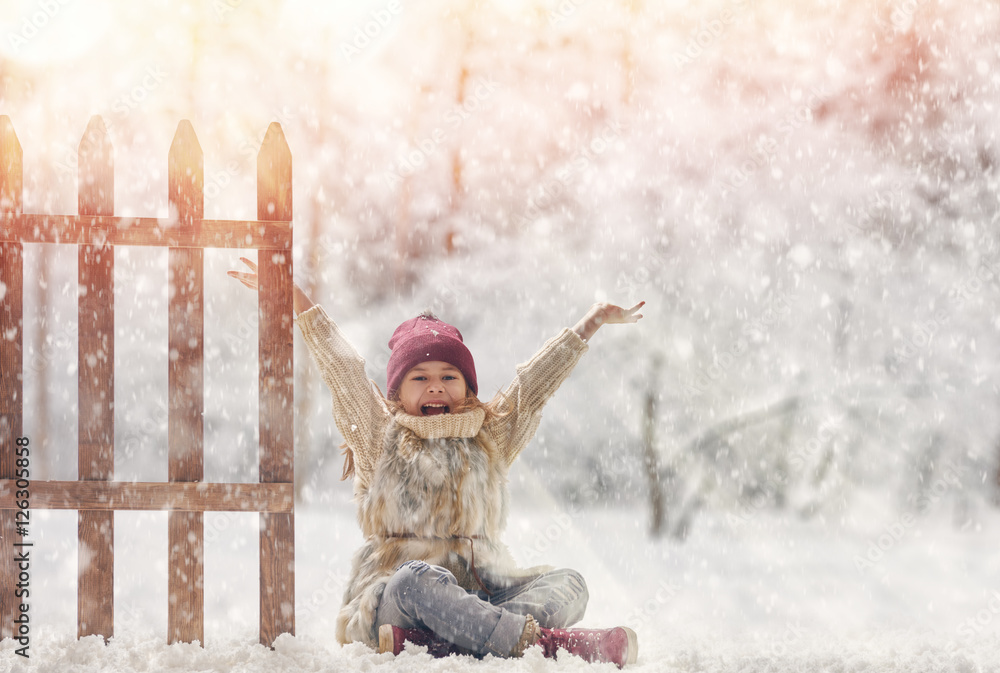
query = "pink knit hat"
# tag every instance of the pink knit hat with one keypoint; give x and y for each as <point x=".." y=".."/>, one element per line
<point x="427" y="339"/>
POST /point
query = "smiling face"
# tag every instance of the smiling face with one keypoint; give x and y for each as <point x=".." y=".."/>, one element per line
<point x="432" y="388"/>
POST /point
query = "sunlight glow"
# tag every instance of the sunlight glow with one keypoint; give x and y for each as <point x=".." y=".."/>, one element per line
<point x="41" y="32"/>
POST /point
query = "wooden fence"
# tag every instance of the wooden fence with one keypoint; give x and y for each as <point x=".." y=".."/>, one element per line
<point x="96" y="495"/>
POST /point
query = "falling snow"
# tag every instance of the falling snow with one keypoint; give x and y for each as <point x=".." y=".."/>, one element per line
<point x="805" y="195"/>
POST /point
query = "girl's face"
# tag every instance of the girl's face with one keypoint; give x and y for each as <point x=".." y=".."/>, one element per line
<point x="432" y="388"/>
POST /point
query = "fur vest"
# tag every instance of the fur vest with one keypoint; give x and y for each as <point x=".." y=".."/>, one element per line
<point x="434" y="499"/>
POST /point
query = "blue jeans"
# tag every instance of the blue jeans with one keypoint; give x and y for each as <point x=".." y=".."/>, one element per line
<point x="425" y="596"/>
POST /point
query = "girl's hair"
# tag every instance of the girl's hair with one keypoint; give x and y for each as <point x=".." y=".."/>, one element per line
<point x="492" y="409"/>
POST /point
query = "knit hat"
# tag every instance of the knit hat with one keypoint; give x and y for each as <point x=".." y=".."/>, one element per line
<point x="427" y="339"/>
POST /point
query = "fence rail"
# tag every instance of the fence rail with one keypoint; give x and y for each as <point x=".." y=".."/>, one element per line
<point x="96" y="231"/>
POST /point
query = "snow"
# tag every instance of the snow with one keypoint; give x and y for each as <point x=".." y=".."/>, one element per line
<point x="806" y="195"/>
<point x="768" y="593"/>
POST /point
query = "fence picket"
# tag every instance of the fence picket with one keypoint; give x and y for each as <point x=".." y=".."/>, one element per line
<point x="275" y="332"/>
<point x="185" y="428"/>
<point x="96" y="380"/>
<point x="11" y="358"/>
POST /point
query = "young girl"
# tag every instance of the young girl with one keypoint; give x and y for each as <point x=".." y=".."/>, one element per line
<point x="430" y="464"/>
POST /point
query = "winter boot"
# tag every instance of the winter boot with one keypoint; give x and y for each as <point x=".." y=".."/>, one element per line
<point x="617" y="646"/>
<point x="393" y="638"/>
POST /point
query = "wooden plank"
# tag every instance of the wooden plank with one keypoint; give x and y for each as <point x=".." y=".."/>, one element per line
<point x="276" y="321"/>
<point x="8" y="575"/>
<point x="11" y="170"/>
<point x="11" y="362"/>
<point x="275" y="333"/>
<point x="144" y="231"/>
<point x="153" y="496"/>
<point x="277" y="576"/>
<point x="185" y="428"/>
<point x="186" y="579"/>
<point x="96" y="380"/>
<point x="95" y="605"/>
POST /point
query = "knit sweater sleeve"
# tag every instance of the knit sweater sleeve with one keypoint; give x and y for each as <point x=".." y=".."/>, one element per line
<point x="358" y="410"/>
<point x="534" y="383"/>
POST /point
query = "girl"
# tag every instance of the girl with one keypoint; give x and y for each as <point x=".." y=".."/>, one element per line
<point x="430" y="464"/>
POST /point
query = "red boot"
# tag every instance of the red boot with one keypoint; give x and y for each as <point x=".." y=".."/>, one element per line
<point x="617" y="646"/>
<point x="393" y="638"/>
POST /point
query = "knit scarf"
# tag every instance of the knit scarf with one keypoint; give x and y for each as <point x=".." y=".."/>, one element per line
<point x="442" y="426"/>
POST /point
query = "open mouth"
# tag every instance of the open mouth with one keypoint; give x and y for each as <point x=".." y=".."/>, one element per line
<point x="433" y="409"/>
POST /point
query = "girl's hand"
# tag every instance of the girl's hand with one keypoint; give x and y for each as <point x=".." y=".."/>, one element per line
<point x="248" y="279"/>
<point x="300" y="300"/>
<point x="606" y="314"/>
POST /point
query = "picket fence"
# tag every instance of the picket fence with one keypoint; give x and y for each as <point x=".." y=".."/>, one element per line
<point x="96" y="231"/>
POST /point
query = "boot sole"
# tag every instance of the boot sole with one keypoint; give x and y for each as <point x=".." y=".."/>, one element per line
<point x="386" y="641"/>
<point x="633" y="646"/>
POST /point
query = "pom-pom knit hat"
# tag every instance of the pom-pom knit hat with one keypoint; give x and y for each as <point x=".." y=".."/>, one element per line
<point x="427" y="339"/>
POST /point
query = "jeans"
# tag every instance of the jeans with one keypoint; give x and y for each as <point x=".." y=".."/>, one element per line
<point x="421" y="595"/>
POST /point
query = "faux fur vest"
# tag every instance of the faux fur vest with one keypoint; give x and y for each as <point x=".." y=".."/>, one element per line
<point x="431" y="499"/>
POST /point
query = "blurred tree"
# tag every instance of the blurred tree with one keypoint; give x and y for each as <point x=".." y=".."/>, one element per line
<point x="657" y="508"/>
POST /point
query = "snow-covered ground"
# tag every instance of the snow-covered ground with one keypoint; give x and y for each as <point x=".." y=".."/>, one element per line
<point x="756" y="592"/>
<point x="805" y="193"/>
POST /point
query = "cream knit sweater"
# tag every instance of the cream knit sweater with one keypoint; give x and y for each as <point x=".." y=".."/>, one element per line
<point x="362" y="416"/>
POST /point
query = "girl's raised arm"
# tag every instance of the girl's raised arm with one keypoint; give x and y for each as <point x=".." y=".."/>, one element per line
<point x="536" y="381"/>
<point x="358" y="409"/>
